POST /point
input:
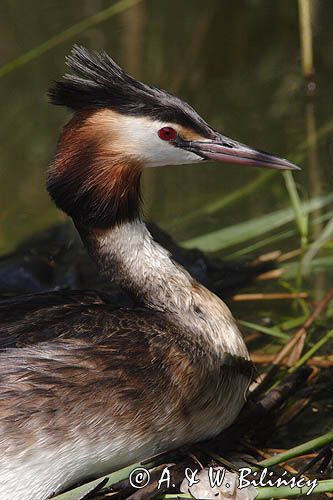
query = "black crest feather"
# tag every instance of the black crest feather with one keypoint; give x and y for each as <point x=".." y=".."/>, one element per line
<point x="96" y="81"/>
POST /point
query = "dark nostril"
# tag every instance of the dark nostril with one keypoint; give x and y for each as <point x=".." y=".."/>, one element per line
<point x="228" y="145"/>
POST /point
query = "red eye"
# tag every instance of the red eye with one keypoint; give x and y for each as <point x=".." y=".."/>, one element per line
<point x="167" y="134"/>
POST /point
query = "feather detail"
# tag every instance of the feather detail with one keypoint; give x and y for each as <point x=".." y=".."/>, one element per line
<point x="96" y="81"/>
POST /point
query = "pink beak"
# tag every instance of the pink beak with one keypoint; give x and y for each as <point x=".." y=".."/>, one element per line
<point x="229" y="151"/>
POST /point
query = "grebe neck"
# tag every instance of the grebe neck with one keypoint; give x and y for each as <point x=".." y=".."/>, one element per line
<point x="128" y="255"/>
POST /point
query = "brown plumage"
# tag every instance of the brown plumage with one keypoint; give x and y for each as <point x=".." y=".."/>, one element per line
<point x="75" y="365"/>
<point x="85" y="387"/>
<point x="83" y="181"/>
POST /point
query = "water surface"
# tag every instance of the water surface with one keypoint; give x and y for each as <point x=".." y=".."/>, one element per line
<point x="238" y="63"/>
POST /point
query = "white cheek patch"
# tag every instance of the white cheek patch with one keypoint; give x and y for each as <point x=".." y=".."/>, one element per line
<point x="164" y="153"/>
<point x="139" y="137"/>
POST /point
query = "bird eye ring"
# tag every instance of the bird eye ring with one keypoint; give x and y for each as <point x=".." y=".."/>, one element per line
<point x="167" y="134"/>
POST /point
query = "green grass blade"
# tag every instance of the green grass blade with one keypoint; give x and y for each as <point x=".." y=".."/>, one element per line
<point x="217" y="205"/>
<point x="223" y="202"/>
<point x="311" y="352"/>
<point x="211" y="208"/>
<point x="301" y="217"/>
<point x="263" y="242"/>
<point x="302" y="449"/>
<point x="325" y="236"/>
<point x="288" y="492"/>
<point x="244" y="231"/>
<point x="291" y="323"/>
<point x="67" y="34"/>
<point x="273" y="332"/>
<point x="113" y="478"/>
<point x="323" y="263"/>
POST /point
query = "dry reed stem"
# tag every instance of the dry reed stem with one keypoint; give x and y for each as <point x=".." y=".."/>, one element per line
<point x="265" y="359"/>
<point x="251" y="336"/>
<point x="267" y="378"/>
<point x="296" y="352"/>
<point x="270" y="275"/>
<point x="242" y="297"/>
<point x="299" y="333"/>
<point x="290" y="255"/>
<point x="292" y="411"/>
<point x="266" y="257"/>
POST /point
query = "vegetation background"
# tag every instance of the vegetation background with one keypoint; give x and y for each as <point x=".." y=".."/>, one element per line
<point x="239" y="64"/>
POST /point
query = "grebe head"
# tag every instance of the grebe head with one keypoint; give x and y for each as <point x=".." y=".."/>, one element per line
<point x="119" y="127"/>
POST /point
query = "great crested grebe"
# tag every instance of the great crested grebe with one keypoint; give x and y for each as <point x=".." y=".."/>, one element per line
<point x="86" y="388"/>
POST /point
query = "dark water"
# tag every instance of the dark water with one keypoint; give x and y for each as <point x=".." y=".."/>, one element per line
<point x="238" y="63"/>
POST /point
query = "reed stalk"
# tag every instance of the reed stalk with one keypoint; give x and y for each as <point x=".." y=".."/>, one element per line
<point x="305" y="28"/>
<point x="288" y="492"/>
<point x="302" y="449"/>
<point x="312" y="351"/>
